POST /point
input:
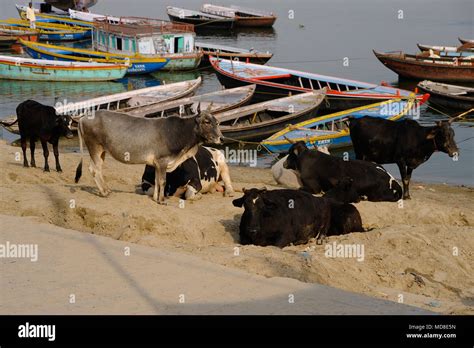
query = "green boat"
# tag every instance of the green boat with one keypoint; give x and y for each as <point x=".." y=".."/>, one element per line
<point x="16" y="68"/>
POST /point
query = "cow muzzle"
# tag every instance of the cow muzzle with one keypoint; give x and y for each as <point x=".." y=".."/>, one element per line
<point x="69" y="134"/>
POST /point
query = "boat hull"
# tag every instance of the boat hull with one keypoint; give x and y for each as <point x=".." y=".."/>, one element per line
<point x="265" y="92"/>
<point x="260" y="132"/>
<point x="255" y="22"/>
<point x="447" y="101"/>
<point x="137" y="67"/>
<point x="201" y="24"/>
<point x="255" y="59"/>
<point x="424" y="71"/>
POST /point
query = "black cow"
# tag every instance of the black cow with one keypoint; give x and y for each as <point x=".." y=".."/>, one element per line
<point x="320" y="172"/>
<point x="405" y="143"/>
<point x="198" y="174"/>
<point x="281" y="217"/>
<point x="38" y="121"/>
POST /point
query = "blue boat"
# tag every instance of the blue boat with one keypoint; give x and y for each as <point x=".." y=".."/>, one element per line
<point x="50" y="31"/>
<point x="138" y="64"/>
<point x="273" y="82"/>
<point x="332" y="130"/>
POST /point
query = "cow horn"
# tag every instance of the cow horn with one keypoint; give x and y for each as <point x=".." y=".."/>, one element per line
<point x="244" y="190"/>
<point x="289" y="140"/>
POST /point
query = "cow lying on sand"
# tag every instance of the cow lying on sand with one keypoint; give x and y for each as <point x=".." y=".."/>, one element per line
<point x="163" y="143"/>
<point x="198" y="174"/>
<point x="405" y="143"/>
<point x="38" y="121"/>
<point x="319" y="172"/>
<point x="282" y="217"/>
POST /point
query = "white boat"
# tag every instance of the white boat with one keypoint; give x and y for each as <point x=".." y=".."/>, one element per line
<point x="124" y="100"/>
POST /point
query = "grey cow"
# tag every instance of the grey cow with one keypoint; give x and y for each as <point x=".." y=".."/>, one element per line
<point x="163" y="143"/>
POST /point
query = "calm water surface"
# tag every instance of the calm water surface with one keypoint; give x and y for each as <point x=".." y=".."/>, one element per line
<point x="317" y="39"/>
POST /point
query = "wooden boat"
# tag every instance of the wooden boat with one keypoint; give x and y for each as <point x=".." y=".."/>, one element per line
<point x="258" y="121"/>
<point x="275" y="82"/>
<point x="151" y="38"/>
<point x="422" y="67"/>
<point x="464" y="50"/>
<point x="218" y="101"/>
<point x="465" y="41"/>
<point x="449" y="96"/>
<point x="16" y="68"/>
<point x="138" y="64"/>
<point x="332" y="130"/>
<point x="124" y="100"/>
<point x="46" y="31"/>
<point x="234" y="53"/>
<point x="200" y="20"/>
<point x="244" y="17"/>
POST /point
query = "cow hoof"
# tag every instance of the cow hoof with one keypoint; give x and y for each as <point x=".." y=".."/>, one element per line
<point x="46" y="170"/>
<point x="59" y="170"/>
<point x="163" y="203"/>
<point x="406" y="197"/>
<point x="26" y="165"/>
<point x="33" y="165"/>
<point x="195" y="197"/>
<point x="229" y="193"/>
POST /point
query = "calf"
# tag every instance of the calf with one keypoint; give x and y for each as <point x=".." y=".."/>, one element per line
<point x="38" y="121"/>
<point x="405" y="143"/>
<point x="163" y="143"/>
<point x="319" y="172"/>
<point x="198" y="174"/>
<point x="282" y="217"/>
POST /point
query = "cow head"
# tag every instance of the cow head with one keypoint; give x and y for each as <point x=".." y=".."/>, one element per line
<point x="207" y="127"/>
<point x="443" y="137"/>
<point x="256" y="206"/>
<point x="390" y="191"/>
<point x="295" y="151"/>
<point x="64" y="123"/>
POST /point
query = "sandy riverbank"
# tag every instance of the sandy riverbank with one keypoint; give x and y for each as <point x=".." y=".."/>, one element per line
<point x="409" y="251"/>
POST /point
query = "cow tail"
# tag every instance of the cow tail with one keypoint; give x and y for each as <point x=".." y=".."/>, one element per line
<point x="79" y="167"/>
<point x="4" y="124"/>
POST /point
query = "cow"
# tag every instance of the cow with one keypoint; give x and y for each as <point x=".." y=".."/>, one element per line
<point x="40" y="122"/>
<point x="282" y="217"/>
<point x="319" y="172"/>
<point x="287" y="177"/>
<point x="198" y="174"/>
<point x="405" y="143"/>
<point x="163" y="143"/>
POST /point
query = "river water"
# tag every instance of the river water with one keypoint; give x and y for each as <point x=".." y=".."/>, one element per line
<point x="309" y="35"/>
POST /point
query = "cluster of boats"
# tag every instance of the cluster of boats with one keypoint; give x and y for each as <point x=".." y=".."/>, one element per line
<point x="435" y="65"/>
<point x="260" y="103"/>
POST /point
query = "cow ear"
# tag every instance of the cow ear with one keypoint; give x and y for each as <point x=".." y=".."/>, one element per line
<point x="239" y="202"/>
<point x="295" y="152"/>
<point x="431" y="134"/>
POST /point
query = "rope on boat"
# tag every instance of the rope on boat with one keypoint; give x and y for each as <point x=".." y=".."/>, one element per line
<point x="242" y="143"/>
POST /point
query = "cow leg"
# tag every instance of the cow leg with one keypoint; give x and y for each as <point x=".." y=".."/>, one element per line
<point x="32" y="150"/>
<point x="97" y="157"/>
<point x="229" y="190"/>
<point x="56" y="156"/>
<point x="403" y="173"/>
<point x="23" y="148"/>
<point x="160" y="183"/>
<point x="44" y="144"/>
<point x="409" y="171"/>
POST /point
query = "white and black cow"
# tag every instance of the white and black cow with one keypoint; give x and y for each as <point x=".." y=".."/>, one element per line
<point x="198" y="174"/>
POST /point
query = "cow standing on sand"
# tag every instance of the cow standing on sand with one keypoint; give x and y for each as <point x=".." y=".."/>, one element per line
<point x="38" y="121"/>
<point x="405" y="143"/>
<point x="319" y="172"/>
<point x="163" y="143"/>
